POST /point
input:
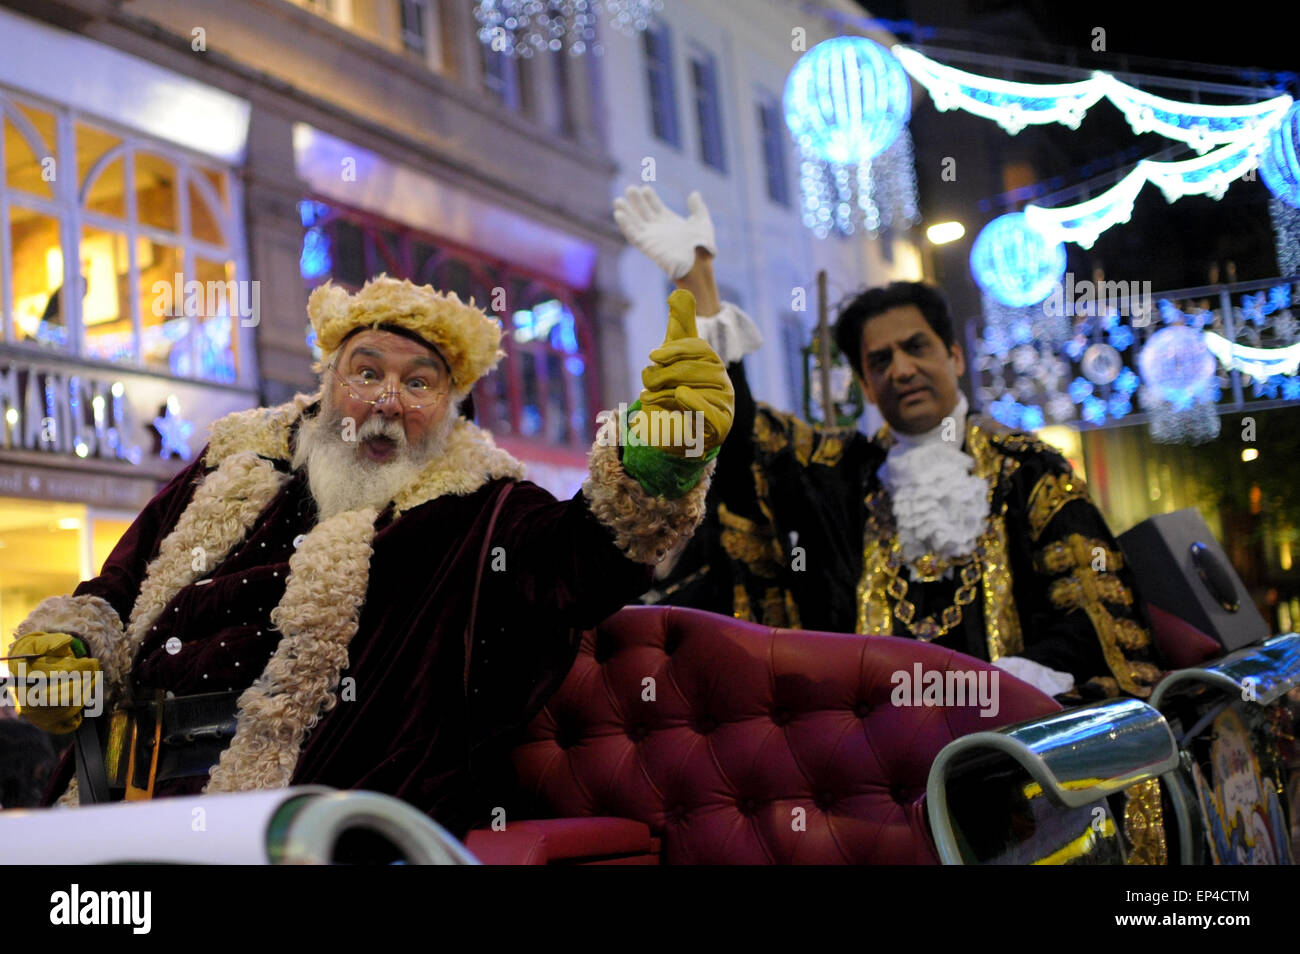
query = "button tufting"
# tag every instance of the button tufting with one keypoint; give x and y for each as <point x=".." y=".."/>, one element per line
<point x="781" y="715"/>
<point x="861" y="710"/>
<point x="705" y="724"/>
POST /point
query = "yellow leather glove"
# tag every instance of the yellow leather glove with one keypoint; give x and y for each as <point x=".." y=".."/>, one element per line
<point x="688" y="379"/>
<point x="55" y="653"/>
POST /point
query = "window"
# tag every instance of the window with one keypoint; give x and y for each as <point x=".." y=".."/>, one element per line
<point x="708" y="109"/>
<point x="543" y="390"/>
<point x="663" y="94"/>
<point x="501" y="77"/>
<point x="772" y="130"/>
<point x="146" y="236"/>
<point x="415" y="26"/>
<point x="794" y="338"/>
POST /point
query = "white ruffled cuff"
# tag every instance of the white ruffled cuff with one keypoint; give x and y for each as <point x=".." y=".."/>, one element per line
<point x="731" y="333"/>
<point x="1049" y="681"/>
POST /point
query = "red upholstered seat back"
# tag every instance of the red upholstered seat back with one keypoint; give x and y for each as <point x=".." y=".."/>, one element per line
<point x="714" y="732"/>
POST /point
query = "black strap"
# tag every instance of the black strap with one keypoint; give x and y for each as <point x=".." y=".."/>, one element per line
<point x="478" y="577"/>
<point x="92" y="779"/>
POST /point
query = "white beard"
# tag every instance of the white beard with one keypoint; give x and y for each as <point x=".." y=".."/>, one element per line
<point x="341" y="479"/>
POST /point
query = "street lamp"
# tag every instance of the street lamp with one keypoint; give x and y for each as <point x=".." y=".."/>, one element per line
<point x="942" y="233"/>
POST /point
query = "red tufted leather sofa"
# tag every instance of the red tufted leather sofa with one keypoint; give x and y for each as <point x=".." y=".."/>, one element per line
<point x="684" y="737"/>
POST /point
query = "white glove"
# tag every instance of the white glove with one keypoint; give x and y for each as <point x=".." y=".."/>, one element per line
<point x="661" y="234"/>
<point x="1045" y="680"/>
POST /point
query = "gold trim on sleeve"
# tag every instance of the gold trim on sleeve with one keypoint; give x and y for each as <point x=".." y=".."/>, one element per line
<point x="1131" y="635"/>
<point x="1050" y="494"/>
<point x="1144" y="824"/>
<point x="1001" y="619"/>
<point x="1083" y="589"/>
<point x="1085" y="586"/>
<point x="750" y="542"/>
<point x="1077" y="550"/>
<point x="874" y="615"/>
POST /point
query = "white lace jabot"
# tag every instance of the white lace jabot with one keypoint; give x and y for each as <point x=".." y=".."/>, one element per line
<point x="940" y="506"/>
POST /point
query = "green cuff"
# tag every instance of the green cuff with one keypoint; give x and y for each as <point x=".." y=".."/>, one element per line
<point x="660" y="474"/>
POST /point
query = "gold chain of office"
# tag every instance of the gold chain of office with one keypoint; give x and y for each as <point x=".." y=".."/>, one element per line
<point x="928" y="630"/>
<point x="930" y="567"/>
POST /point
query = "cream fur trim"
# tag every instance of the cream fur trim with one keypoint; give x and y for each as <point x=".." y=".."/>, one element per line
<point x="644" y="527"/>
<point x="323" y="598"/>
<point x="470" y="459"/>
<point x="263" y="430"/>
<point x="71" y="797"/>
<point x="326" y="589"/>
<point x="466" y="337"/>
<point x="221" y="512"/>
<point x="90" y="617"/>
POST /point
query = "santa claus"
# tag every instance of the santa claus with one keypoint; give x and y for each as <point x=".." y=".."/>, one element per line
<point x="357" y="588"/>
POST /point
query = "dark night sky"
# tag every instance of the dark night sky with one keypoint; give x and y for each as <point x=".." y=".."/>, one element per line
<point x="1183" y="31"/>
<point x="1174" y="245"/>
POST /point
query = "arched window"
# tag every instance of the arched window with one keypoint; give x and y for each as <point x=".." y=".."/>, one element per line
<point x="146" y="235"/>
<point x="543" y="390"/>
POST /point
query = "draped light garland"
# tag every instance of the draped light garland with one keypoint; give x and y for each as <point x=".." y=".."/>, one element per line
<point x="1209" y="174"/>
<point x="1237" y="134"/>
<point x="1180" y="380"/>
<point x="1013" y="106"/>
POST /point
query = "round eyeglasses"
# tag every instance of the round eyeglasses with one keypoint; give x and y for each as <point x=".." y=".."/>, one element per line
<point x="368" y="388"/>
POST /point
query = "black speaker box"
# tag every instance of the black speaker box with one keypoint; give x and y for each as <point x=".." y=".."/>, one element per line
<point x="1179" y="567"/>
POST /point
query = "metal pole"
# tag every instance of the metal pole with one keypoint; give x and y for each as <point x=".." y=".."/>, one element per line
<point x="824" y="339"/>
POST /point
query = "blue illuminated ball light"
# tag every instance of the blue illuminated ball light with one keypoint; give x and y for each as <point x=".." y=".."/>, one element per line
<point x="1279" y="165"/>
<point x="1177" y="365"/>
<point x="847" y="100"/>
<point x="1015" y="263"/>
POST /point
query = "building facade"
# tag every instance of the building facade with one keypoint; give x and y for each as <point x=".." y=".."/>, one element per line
<point x="195" y="169"/>
<point x="696" y="103"/>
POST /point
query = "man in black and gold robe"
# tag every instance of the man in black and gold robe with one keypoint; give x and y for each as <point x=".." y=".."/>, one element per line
<point x="946" y="527"/>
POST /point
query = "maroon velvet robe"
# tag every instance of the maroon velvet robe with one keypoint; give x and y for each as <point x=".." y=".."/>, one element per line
<point x="411" y="727"/>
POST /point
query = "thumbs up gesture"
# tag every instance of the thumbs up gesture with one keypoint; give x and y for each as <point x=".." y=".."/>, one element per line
<point x="688" y="402"/>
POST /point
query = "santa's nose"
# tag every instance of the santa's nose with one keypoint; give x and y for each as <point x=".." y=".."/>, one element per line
<point x="389" y="405"/>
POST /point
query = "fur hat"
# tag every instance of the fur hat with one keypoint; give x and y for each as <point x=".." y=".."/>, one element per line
<point x="464" y="335"/>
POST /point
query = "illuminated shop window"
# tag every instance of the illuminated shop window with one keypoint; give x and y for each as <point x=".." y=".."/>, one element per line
<point x="144" y="236"/>
<point x="543" y="388"/>
<point x="46" y="549"/>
